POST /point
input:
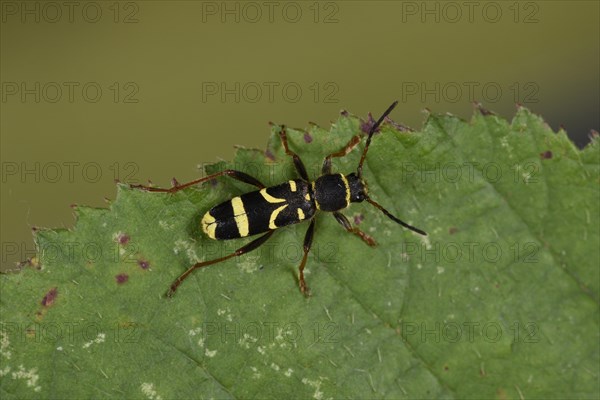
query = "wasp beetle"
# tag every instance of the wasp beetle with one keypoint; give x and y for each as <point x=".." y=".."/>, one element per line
<point x="269" y="208"/>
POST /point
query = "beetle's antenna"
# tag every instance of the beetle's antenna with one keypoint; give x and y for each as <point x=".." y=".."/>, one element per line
<point x="371" y="132"/>
<point x="404" y="224"/>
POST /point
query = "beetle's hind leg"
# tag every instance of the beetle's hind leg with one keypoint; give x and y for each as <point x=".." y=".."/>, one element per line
<point x="242" y="250"/>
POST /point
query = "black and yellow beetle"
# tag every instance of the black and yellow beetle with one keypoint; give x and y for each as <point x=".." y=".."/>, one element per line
<point x="270" y="208"/>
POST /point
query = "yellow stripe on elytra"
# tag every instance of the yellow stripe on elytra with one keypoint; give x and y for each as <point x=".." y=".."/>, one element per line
<point x="292" y="186"/>
<point x="347" y="189"/>
<point x="270" y="198"/>
<point x="314" y="191"/>
<point x="209" y="225"/>
<point x="274" y="215"/>
<point x="240" y="216"/>
<point x="301" y="215"/>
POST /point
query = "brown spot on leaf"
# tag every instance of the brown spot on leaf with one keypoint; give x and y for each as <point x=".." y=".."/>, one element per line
<point x="33" y="262"/>
<point x="546" y="155"/>
<point x="307" y="137"/>
<point x="269" y="154"/>
<point x="366" y="126"/>
<point x="123" y="238"/>
<point x="358" y="218"/>
<point x="501" y="394"/>
<point x="143" y="264"/>
<point x="121" y="278"/>
<point x="452" y="230"/>
<point x="49" y="298"/>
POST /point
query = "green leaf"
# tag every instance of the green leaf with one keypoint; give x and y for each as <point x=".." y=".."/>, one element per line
<point x="499" y="301"/>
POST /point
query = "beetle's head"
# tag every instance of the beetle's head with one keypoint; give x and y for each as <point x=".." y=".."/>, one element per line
<point x="358" y="188"/>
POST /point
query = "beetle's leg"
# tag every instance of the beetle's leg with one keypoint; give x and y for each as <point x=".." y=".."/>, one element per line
<point x="240" y="176"/>
<point x="242" y="250"/>
<point x="297" y="161"/>
<point x="341" y="218"/>
<point x="347" y="149"/>
<point x="307" y="243"/>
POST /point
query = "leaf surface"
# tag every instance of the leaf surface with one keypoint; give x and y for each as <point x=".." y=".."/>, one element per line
<point x="499" y="301"/>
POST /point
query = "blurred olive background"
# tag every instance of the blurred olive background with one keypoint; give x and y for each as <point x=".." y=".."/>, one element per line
<point x="93" y="91"/>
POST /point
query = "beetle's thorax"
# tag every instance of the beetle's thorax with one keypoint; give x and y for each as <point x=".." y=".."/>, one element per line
<point x="333" y="192"/>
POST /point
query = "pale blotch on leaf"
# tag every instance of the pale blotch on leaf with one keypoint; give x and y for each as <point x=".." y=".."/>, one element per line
<point x="149" y="391"/>
<point x="100" y="338"/>
<point x="30" y="376"/>
<point x="186" y="246"/>
<point x="4" y="345"/>
<point x="210" y="353"/>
